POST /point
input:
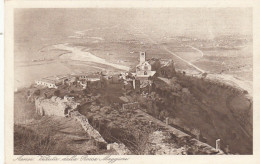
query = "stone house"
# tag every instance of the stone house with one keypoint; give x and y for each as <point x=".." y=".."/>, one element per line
<point x="46" y="83"/>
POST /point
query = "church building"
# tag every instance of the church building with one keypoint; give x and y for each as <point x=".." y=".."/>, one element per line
<point x="144" y="68"/>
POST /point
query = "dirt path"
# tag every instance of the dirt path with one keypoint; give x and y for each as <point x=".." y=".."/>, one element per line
<point x="196" y="49"/>
<point x="202" y="54"/>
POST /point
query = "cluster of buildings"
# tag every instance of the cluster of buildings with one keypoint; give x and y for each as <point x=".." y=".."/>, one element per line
<point x="141" y="78"/>
<point x="146" y="70"/>
<point x="154" y="67"/>
<point x="47" y="83"/>
<point x="55" y="82"/>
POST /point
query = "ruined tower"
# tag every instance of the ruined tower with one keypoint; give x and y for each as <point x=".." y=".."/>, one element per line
<point x="142" y="57"/>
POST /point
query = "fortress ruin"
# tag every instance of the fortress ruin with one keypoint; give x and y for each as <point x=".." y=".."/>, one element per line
<point x="55" y="106"/>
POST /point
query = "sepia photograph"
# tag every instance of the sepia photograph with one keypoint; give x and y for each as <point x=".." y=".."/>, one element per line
<point x="133" y="81"/>
<point x="107" y="82"/>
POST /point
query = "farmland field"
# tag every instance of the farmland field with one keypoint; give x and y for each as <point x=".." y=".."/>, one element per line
<point x="119" y="54"/>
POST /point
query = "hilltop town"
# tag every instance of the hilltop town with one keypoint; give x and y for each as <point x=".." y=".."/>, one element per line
<point x="141" y="111"/>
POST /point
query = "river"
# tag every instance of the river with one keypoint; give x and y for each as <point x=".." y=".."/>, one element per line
<point x="76" y="53"/>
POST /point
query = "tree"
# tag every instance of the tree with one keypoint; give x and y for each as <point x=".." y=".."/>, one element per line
<point x="37" y="92"/>
<point x="56" y="93"/>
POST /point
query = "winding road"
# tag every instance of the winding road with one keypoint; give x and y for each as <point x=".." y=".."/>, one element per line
<point x="224" y="78"/>
<point x="189" y="63"/>
<point x="170" y="52"/>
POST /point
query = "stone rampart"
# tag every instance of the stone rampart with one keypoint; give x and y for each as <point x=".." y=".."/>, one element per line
<point x="54" y="106"/>
<point x="87" y="127"/>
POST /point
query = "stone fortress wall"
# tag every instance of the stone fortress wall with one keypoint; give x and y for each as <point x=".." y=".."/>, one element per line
<point x="56" y="106"/>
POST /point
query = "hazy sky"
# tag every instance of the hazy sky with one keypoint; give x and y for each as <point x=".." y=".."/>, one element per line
<point x="206" y="22"/>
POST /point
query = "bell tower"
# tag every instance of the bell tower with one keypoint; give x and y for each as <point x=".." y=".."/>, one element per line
<point x="142" y="57"/>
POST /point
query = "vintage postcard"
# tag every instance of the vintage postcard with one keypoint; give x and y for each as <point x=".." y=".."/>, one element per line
<point x="114" y="82"/>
